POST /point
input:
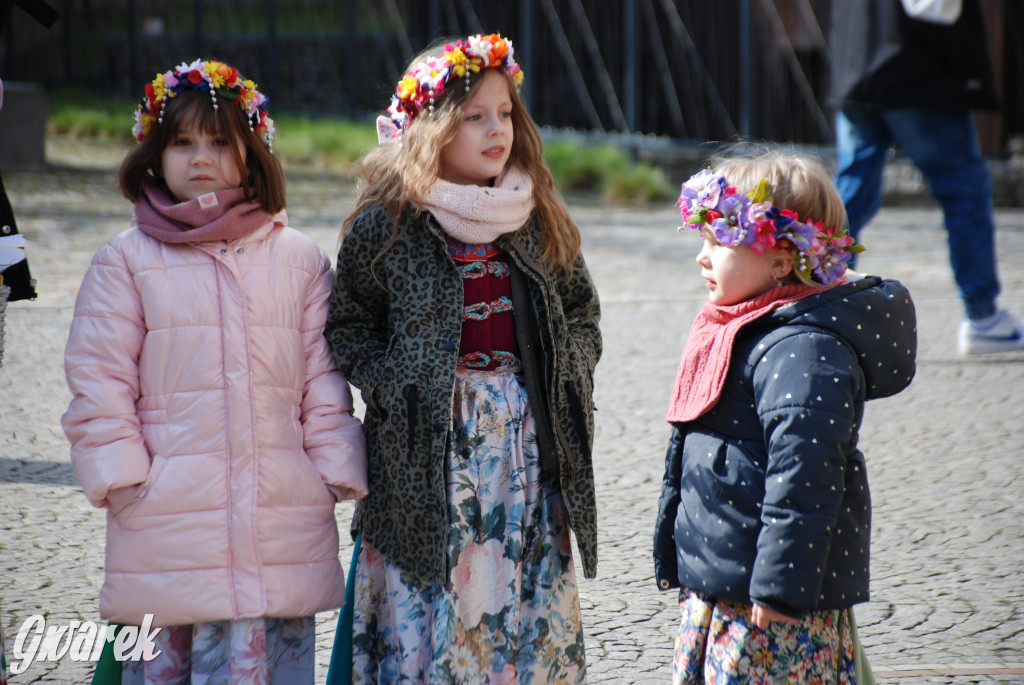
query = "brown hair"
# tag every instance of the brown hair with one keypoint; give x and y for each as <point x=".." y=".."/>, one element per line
<point x="263" y="177"/>
<point x="398" y="175"/>
<point x="798" y="181"/>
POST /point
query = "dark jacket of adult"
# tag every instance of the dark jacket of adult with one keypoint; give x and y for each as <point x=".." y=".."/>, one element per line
<point x="17" y="277"/>
<point x="883" y="58"/>
<point x="765" y="497"/>
<point x="394" y="324"/>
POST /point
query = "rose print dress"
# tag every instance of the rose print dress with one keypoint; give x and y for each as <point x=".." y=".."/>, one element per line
<point x="719" y="644"/>
<point x="249" y="651"/>
<point x="510" y="611"/>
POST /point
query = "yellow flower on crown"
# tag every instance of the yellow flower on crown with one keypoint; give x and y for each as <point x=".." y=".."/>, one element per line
<point x="458" y="59"/>
<point x="146" y="122"/>
<point x="407" y="87"/>
<point x="221" y="75"/>
<point x="248" y="93"/>
<point x="159" y="87"/>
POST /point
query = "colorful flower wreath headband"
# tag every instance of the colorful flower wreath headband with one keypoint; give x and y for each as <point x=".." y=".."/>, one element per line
<point x="819" y="253"/>
<point x="215" y="77"/>
<point x="426" y="81"/>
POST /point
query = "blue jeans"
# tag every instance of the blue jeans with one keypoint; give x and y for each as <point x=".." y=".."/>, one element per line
<point x="942" y="143"/>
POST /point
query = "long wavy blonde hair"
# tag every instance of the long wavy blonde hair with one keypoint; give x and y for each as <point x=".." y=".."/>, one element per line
<point x="399" y="174"/>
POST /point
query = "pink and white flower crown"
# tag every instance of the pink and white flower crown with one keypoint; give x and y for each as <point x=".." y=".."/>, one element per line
<point x="820" y="253"/>
<point x="215" y="77"/>
<point x="425" y="82"/>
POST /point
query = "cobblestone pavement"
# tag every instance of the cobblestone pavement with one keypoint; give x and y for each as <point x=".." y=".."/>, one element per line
<point x="946" y="456"/>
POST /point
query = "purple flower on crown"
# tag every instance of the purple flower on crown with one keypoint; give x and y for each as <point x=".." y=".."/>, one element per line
<point x="733" y="228"/>
<point x="788" y="226"/>
<point x="701" y="190"/>
<point x="750" y="220"/>
<point x="833" y="266"/>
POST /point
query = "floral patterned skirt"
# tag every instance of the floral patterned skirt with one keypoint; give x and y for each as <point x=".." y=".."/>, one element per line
<point x="255" y="651"/>
<point x="718" y="644"/>
<point x="510" y="610"/>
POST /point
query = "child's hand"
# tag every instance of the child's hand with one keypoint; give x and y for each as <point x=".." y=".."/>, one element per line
<point x="762" y="616"/>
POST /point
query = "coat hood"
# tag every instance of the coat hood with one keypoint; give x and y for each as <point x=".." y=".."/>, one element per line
<point x="873" y="315"/>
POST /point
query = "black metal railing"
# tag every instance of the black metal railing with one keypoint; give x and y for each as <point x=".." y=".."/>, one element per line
<point x="683" y="70"/>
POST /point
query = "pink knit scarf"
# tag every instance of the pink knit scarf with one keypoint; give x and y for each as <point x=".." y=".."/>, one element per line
<point x="224" y="215"/>
<point x="708" y="349"/>
<point x="479" y="214"/>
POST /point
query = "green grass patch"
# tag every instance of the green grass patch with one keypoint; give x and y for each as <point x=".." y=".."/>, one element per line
<point x="328" y="143"/>
<point x="606" y="170"/>
<point x="82" y="115"/>
<point x="638" y="184"/>
<point x="336" y="145"/>
<point x="583" y="169"/>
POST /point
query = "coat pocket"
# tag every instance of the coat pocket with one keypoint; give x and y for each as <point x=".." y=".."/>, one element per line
<point x="124" y="504"/>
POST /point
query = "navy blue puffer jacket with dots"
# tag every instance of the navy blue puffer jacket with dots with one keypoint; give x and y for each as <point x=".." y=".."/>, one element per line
<point x="765" y="496"/>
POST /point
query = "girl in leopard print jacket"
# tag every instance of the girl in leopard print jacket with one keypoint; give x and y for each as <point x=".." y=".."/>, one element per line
<point x="464" y="312"/>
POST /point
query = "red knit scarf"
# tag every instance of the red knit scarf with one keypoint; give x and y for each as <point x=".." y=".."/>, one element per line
<point x="708" y="349"/>
<point x="224" y="215"/>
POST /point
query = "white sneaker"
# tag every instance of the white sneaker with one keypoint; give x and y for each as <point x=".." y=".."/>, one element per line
<point x="1004" y="334"/>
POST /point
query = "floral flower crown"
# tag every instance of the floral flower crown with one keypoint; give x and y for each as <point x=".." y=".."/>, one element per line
<point x="819" y="253"/>
<point x="215" y="77"/>
<point x="425" y="82"/>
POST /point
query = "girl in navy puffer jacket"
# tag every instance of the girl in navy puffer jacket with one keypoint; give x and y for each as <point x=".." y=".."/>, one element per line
<point x="765" y="513"/>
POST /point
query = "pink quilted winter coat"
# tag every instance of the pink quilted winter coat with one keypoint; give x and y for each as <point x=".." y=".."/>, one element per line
<point x="210" y="420"/>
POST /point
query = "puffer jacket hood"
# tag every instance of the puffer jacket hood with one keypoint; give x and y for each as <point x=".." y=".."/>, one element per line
<point x="852" y="313"/>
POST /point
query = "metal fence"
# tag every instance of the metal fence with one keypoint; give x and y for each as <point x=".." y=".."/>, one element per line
<point x="684" y="70"/>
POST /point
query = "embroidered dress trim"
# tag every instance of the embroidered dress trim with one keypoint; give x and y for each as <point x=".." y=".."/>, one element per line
<point x="475" y="270"/>
<point x="506" y="361"/>
<point x="487" y="341"/>
<point x="482" y="310"/>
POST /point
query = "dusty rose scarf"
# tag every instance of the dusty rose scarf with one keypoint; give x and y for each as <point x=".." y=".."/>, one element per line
<point x="708" y="349"/>
<point x="224" y="215"/>
<point x="479" y="214"/>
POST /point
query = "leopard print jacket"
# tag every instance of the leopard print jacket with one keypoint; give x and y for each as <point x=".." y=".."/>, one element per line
<point x="394" y="325"/>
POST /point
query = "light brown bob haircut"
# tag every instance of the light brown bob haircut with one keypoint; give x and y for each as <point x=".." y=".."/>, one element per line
<point x="263" y="177"/>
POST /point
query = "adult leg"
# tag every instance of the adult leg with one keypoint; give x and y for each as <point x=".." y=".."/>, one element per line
<point x="863" y="141"/>
<point x="943" y="144"/>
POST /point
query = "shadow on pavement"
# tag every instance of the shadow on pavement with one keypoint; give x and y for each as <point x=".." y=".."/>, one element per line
<point x="38" y="472"/>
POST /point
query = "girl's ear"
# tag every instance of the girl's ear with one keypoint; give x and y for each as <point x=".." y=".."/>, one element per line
<point x="781" y="264"/>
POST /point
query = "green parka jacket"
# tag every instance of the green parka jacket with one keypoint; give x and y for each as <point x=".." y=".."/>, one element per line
<point x="394" y="325"/>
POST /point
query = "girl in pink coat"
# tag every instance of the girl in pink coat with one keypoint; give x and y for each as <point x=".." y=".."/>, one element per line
<point x="208" y="417"/>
